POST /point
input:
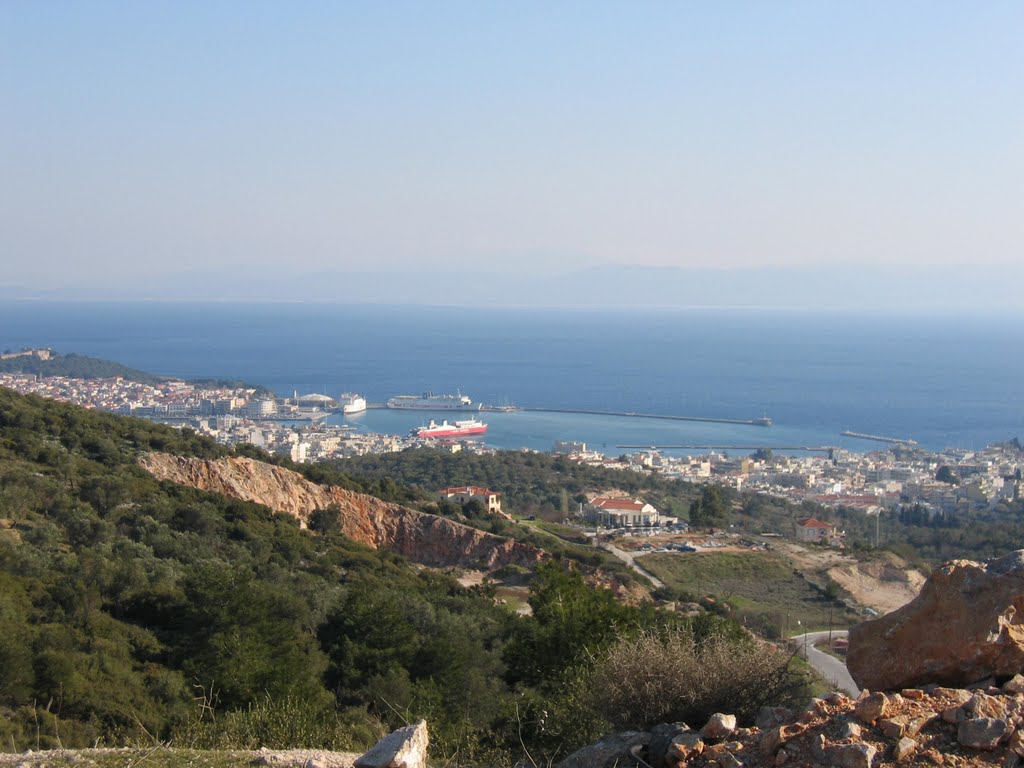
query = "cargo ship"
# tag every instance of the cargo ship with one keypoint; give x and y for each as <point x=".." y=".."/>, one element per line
<point x="352" y="403"/>
<point x="466" y="428"/>
<point x="428" y="401"/>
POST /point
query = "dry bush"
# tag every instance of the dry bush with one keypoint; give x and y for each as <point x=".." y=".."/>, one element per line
<point x="669" y="677"/>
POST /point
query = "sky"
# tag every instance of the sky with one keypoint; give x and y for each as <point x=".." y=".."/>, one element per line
<point x="160" y="145"/>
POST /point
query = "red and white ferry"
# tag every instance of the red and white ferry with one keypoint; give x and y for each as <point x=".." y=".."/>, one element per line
<point x="466" y="428"/>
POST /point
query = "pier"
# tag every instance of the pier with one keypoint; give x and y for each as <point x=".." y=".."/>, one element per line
<point x="808" y="448"/>
<point x="764" y="421"/>
<point x="879" y="438"/>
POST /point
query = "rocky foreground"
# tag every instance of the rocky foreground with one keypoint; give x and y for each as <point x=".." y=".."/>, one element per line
<point x="918" y="726"/>
<point x="931" y="726"/>
<point x="967" y="624"/>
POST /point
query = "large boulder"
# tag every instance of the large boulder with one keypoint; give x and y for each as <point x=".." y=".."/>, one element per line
<point x="967" y="624"/>
<point x="619" y="750"/>
<point x="404" y="748"/>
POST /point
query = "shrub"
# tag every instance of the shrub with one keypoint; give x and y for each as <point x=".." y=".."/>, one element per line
<point x="288" y="722"/>
<point x="671" y="676"/>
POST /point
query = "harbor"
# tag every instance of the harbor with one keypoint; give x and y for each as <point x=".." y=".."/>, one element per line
<point x="733" y="447"/>
<point x="880" y="438"/>
<point x="763" y="421"/>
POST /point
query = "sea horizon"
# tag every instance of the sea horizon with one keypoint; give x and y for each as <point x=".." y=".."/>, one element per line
<point x="945" y="381"/>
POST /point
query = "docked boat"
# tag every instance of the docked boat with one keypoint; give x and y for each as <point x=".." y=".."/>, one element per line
<point x="428" y="401"/>
<point x="352" y="403"/>
<point x="465" y="428"/>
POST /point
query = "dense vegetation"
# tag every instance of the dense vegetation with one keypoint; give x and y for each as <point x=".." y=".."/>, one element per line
<point x="931" y="539"/>
<point x="550" y="487"/>
<point x="76" y="367"/>
<point x="132" y="609"/>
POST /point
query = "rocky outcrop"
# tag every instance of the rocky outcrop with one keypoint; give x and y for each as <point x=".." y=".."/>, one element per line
<point x="618" y="750"/>
<point x="966" y="625"/>
<point x="404" y="748"/>
<point x="427" y="539"/>
<point x="931" y="726"/>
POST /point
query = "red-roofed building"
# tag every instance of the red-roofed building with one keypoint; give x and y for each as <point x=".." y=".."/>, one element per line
<point x="815" y="531"/>
<point x="622" y="513"/>
<point x="464" y="494"/>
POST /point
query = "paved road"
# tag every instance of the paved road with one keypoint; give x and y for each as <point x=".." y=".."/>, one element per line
<point x="829" y="667"/>
<point x="629" y="559"/>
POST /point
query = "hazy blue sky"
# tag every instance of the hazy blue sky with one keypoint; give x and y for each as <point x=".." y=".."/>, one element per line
<point x="141" y="139"/>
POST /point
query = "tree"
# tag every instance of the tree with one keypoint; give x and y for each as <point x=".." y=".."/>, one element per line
<point x="947" y="475"/>
<point x="832" y="590"/>
<point x="326" y="520"/>
<point x="571" y="621"/>
<point x="709" y="510"/>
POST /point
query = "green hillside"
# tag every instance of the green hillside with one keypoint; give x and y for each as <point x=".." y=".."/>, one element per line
<point x="76" y="367"/>
<point x="133" y="610"/>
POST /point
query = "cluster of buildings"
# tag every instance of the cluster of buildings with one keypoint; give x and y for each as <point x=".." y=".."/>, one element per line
<point x="301" y="442"/>
<point x="171" y="399"/>
<point x="948" y="482"/>
<point x="230" y="415"/>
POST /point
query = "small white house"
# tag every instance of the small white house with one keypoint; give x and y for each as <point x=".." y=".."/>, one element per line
<point x="814" y="531"/>
<point x="464" y="494"/>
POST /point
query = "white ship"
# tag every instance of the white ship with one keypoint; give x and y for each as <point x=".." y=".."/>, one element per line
<point x="352" y="403"/>
<point x="466" y="428"/>
<point x="428" y="401"/>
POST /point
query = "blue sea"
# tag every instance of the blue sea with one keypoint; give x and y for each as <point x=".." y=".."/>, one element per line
<point x="941" y="380"/>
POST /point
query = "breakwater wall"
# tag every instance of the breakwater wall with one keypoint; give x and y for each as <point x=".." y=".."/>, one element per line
<point x="808" y="448"/>
<point x="764" y="421"/>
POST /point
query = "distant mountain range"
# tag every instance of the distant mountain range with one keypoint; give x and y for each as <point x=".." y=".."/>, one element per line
<point x="961" y="288"/>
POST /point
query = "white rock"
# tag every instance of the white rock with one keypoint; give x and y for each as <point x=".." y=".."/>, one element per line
<point x="405" y="748"/>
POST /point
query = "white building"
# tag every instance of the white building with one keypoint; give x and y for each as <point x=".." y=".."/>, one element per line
<point x="622" y="513"/>
<point x="264" y="408"/>
<point x="464" y="494"/>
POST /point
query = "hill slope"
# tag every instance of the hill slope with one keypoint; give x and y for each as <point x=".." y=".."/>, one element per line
<point x="421" y="537"/>
<point x="135" y="608"/>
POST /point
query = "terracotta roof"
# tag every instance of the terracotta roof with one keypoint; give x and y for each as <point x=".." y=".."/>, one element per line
<point x="810" y="522"/>
<point x="632" y="505"/>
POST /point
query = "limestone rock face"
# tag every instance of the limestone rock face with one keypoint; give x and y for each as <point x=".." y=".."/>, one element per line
<point x="423" y="538"/>
<point x="965" y="625"/>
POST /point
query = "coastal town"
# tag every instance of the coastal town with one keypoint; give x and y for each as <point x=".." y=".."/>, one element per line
<point x="944" y="483"/>
<point x="948" y="482"/>
<point x="292" y="426"/>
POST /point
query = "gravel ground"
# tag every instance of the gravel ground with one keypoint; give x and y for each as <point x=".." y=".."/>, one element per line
<point x="165" y="757"/>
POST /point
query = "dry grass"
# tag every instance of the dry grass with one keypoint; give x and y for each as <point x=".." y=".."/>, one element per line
<point x="658" y="678"/>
